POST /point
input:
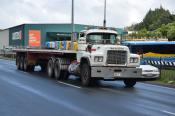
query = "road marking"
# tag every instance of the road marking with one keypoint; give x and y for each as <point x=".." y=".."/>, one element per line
<point x="69" y="84"/>
<point x="167" y="112"/>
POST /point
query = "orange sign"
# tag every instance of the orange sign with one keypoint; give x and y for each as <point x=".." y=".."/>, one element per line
<point x="34" y="38"/>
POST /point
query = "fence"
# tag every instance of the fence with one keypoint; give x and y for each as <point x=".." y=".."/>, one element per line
<point x="160" y="62"/>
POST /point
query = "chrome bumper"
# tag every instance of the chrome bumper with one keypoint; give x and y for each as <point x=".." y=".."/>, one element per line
<point x="116" y="72"/>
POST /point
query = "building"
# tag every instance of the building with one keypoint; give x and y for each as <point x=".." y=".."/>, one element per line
<point x="36" y="35"/>
<point x="4" y="38"/>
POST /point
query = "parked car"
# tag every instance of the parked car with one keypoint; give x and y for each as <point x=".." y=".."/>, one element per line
<point x="150" y="71"/>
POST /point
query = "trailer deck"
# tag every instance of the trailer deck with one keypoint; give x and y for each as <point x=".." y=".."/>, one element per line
<point x="45" y="51"/>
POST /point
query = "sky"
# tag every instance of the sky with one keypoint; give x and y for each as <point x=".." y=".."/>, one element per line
<point x="120" y="13"/>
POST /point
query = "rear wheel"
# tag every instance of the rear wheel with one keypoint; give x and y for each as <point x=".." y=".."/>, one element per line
<point x="18" y="62"/>
<point x="57" y="70"/>
<point x="21" y="61"/>
<point x="129" y="83"/>
<point x="60" y="74"/>
<point x="85" y="74"/>
<point x="26" y="66"/>
<point x="50" y="70"/>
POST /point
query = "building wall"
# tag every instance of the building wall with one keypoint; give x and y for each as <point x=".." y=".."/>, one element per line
<point x="19" y="35"/>
<point x="45" y="28"/>
<point x="23" y="34"/>
<point x="4" y="38"/>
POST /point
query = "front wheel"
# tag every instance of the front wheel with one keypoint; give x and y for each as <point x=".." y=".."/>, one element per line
<point x="85" y="74"/>
<point x="129" y="83"/>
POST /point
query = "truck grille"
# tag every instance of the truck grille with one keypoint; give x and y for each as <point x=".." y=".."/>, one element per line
<point x="116" y="57"/>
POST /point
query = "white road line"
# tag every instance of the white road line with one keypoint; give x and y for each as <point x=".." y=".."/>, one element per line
<point x="69" y="85"/>
<point x="167" y="112"/>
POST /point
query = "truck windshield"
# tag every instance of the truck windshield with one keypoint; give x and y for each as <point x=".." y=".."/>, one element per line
<point x="101" y="38"/>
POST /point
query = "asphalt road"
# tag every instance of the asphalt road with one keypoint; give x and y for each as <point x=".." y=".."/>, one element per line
<point x="33" y="94"/>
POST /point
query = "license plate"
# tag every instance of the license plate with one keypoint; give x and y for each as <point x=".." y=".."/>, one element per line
<point x="117" y="74"/>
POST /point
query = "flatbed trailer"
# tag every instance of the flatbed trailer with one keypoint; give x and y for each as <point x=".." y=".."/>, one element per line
<point x="27" y="59"/>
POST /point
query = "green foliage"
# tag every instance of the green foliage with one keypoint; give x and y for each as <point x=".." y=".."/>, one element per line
<point x="167" y="76"/>
<point x="157" y="23"/>
<point x="154" y="19"/>
<point x="171" y="34"/>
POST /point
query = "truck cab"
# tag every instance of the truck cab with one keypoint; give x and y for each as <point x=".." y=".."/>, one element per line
<point x="100" y="56"/>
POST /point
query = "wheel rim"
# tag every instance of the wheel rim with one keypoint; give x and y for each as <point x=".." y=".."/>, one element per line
<point x="85" y="75"/>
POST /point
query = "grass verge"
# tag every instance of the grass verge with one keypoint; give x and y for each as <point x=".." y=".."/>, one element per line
<point x="167" y="76"/>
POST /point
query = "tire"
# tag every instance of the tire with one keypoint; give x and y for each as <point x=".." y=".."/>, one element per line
<point x="26" y="66"/>
<point x="58" y="73"/>
<point x="50" y="70"/>
<point x="18" y="62"/>
<point x="21" y="63"/>
<point x="85" y="75"/>
<point x="57" y="70"/>
<point x="129" y="83"/>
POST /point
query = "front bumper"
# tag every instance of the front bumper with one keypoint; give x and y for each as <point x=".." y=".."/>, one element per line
<point x="121" y="73"/>
<point x="116" y="72"/>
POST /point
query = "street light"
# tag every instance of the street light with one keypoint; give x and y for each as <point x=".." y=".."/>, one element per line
<point x="73" y="27"/>
<point x="104" y="22"/>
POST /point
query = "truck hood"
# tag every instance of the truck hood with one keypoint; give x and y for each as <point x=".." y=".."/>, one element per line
<point x="109" y="47"/>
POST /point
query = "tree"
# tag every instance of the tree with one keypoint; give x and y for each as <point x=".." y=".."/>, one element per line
<point x="171" y="34"/>
<point x="154" y="19"/>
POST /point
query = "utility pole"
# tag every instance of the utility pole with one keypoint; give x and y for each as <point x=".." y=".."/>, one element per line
<point x="73" y="27"/>
<point x="104" y="22"/>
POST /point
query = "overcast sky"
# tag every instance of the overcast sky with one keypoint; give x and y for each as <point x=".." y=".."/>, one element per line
<point x="120" y="13"/>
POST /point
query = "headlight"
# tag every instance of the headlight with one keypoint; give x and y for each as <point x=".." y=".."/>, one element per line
<point x="98" y="59"/>
<point x="134" y="60"/>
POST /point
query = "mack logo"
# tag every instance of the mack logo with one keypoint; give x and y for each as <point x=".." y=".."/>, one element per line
<point x="117" y="48"/>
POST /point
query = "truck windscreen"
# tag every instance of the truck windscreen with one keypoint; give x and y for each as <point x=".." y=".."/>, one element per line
<point x="101" y="38"/>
